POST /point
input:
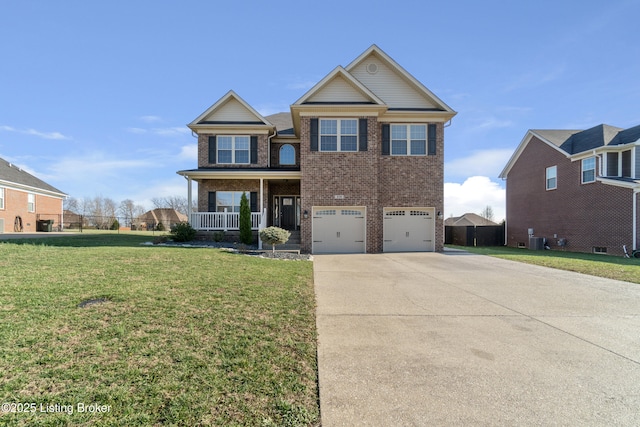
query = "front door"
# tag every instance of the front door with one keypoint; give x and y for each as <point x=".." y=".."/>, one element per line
<point x="288" y="213"/>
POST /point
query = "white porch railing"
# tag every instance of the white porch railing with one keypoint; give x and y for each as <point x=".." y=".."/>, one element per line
<point x="210" y="221"/>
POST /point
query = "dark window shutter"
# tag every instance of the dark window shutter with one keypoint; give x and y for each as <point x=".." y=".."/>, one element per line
<point x="253" y="201"/>
<point x="363" y="140"/>
<point x="254" y="150"/>
<point x="386" y="139"/>
<point x="431" y="150"/>
<point x="314" y="134"/>
<point x="212" y="149"/>
<point x="212" y="201"/>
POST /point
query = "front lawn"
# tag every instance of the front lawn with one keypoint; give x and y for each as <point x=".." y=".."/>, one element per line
<point x="171" y="336"/>
<point x="612" y="267"/>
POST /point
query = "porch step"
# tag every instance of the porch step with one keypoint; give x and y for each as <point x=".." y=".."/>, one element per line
<point x="294" y="239"/>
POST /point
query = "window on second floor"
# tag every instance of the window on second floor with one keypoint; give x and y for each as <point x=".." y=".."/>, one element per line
<point x="338" y="135"/>
<point x="287" y="155"/>
<point x="552" y="178"/>
<point x="233" y="149"/>
<point x="1" y="198"/>
<point x="31" y="202"/>
<point x="408" y="140"/>
<point x="588" y="170"/>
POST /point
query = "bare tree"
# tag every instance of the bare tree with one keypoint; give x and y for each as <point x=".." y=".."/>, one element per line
<point x="129" y="211"/>
<point x="487" y="213"/>
<point x="178" y="203"/>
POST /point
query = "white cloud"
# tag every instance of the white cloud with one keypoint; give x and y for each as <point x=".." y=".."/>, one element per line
<point x="34" y="132"/>
<point x="189" y="152"/>
<point x="484" y="163"/>
<point x="150" y="119"/>
<point x="168" y="131"/>
<point x="472" y="196"/>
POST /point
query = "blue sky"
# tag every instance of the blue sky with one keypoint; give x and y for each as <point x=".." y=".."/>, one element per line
<point x="95" y="96"/>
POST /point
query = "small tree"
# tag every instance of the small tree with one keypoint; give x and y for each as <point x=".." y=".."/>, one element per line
<point x="274" y="236"/>
<point x="182" y="232"/>
<point x="246" y="236"/>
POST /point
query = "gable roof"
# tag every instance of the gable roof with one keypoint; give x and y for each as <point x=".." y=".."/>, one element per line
<point x="12" y="175"/>
<point x="230" y="110"/>
<point x="339" y="87"/>
<point x="366" y="68"/>
<point x="282" y="122"/>
<point x="574" y="143"/>
<point x="468" y="219"/>
<point x="163" y="215"/>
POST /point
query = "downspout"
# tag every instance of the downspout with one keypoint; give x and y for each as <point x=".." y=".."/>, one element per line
<point x="635" y="218"/>
<point x="275" y="132"/>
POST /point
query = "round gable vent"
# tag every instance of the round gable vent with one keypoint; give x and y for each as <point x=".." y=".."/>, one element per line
<point x="372" y="68"/>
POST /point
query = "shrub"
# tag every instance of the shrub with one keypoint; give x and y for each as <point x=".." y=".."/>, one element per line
<point x="246" y="236"/>
<point x="218" y="236"/>
<point x="115" y="225"/>
<point x="182" y="232"/>
<point x="160" y="227"/>
<point x="274" y="236"/>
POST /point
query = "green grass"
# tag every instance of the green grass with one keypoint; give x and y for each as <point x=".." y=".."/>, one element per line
<point x="188" y="336"/>
<point x="612" y="267"/>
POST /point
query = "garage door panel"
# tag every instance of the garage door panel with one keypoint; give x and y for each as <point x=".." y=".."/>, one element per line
<point x="408" y="229"/>
<point x="339" y="230"/>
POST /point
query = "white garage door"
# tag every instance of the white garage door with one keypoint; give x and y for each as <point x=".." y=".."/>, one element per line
<point x="339" y="229"/>
<point x="408" y="230"/>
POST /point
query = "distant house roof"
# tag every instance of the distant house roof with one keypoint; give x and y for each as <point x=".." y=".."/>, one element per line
<point x="282" y="122"/>
<point x="165" y="216"/>
<point x="14" y="176"/>
<point x="574" y="142"/>
<point x="468" y="219"/>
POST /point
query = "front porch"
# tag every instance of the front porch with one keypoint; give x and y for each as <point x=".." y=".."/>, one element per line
<point x="223" y="221"/>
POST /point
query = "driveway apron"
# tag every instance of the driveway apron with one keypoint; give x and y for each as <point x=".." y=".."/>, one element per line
<point x="421" y="339"/>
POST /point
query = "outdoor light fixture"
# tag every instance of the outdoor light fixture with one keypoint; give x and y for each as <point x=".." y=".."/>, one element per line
<point x="306" y="214"/>
<point x="439" y="214"/>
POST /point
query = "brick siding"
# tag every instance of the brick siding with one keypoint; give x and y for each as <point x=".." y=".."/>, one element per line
<point x="15" y="204"/>
<point x="587" y="215"/>
<point x="371" y="180"/>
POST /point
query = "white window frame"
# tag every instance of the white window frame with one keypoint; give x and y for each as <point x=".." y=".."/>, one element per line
<point x="31" y="202"/>
<point x="338" y="135"/>
<point x="584" y="170"/>
<point x="235" y="200"/>
<point x="408" y="146"/>
<point x="281" y="157"/>
<point x="554" y="177"/>
<point x="234" y="149"/>
<point x="2" y="198"/>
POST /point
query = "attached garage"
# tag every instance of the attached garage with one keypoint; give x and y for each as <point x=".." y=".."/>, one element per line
<point x="408" y="230"/>
<point x="339" y="229"/>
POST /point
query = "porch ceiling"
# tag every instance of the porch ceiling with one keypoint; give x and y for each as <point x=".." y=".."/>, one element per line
<point x="199" y="174"/>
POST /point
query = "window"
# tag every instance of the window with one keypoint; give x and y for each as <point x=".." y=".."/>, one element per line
<point x="31" y="202"/>
<point x="1" y="198"/>
<point x="408" y="140"/>
<point x="552" y="178"/>
<point x="233" y="149"/>
<point x="287" y="155"/>
<point x="229" y="200"/>
<point x="588" y="170"/>
<point x="338" y="135"/>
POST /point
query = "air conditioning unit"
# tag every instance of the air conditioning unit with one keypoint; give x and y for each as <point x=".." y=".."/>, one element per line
<point x="536" y="243"/>
<point x="1" y="225"/>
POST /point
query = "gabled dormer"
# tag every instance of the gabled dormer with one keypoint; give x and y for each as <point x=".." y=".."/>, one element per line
<point x="232" y="134"/>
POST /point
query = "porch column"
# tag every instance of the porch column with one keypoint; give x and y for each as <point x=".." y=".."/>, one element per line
<point x="261" y="211"/>
<point x="189" y="207"/>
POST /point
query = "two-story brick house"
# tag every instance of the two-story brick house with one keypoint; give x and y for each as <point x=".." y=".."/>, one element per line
<point x="576" y="189"/>
<point x="355" y="166"/>
<point x="25" y="199"/>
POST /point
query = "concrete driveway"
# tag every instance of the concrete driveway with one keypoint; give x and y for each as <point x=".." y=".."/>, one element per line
<point x="424" y="339"/>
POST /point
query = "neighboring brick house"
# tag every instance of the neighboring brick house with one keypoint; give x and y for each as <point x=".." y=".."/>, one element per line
<point x="356" y="166"/>
<point x="576" y="189"/>
<point x="24" y="199"/>
<point x="151" y="220"/>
